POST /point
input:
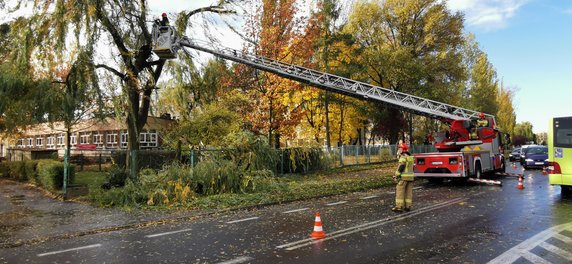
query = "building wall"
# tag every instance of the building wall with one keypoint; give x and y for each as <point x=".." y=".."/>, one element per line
<point x="108" y="134"/>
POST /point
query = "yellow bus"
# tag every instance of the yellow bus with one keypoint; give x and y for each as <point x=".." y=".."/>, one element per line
<point x="560" y="153"/>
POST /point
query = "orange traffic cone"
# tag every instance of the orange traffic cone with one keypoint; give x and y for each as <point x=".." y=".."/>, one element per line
<point x="514" y="165"/>
<point x="520" y="183"/>
<point x="318" y="231"/>
<point x="544" y="171"/>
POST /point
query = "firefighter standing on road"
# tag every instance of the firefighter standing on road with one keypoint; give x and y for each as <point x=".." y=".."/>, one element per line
<point x="404" y="178"/>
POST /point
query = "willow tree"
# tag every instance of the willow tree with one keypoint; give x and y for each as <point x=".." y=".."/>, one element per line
<point x="121" y="35"/>
<point x="24" y="99"/>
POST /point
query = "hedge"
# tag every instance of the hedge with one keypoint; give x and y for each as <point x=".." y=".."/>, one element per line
<point x="51" y="174"/>
<point x="45" y="173"/>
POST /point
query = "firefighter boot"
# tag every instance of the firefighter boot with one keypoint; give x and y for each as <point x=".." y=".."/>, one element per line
<point x="397" y="209"/>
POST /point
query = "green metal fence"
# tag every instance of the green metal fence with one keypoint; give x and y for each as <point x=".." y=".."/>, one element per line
<point x="355" y="155"/>
<point x="285" y="161"/>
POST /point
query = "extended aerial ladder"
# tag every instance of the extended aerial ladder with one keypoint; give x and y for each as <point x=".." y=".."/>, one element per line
<point x="166" y="45"/>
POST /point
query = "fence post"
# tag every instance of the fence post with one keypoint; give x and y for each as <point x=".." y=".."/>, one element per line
<point x="66" y="165"/>
<point x="369" y="154"/>
<point x="192" y="158"/>
<point x="342" y="155"/>
<point x="357" y="153"/>
<point x="282" y="161"/>
<point x="100" y="161"/>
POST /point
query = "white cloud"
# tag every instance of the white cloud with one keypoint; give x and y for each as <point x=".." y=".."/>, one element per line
<point x="487" y="14"/>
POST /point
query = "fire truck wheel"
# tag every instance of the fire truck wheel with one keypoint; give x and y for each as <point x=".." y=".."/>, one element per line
<point x="478" y="170"/>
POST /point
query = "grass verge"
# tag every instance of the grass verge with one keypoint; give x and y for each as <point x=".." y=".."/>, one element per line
<point x="301" y="187"/>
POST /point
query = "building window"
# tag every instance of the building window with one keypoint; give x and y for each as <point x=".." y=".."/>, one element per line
<point x="98" y="139"/>
<point x="29" y="142"/>
<point x="148" y="139"/>
<point x="111" y="139"/>
<point x="73" y="140"/>
<point x="51" y="142"/>
<point x="84" y="137"/>
<point x="60" y="140"/>
<point x="20" y="143"/>
<point x="39" y="142"/>
<point x="124" y="138"/>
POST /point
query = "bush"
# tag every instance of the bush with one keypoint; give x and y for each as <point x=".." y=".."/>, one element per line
<point x="4" y="170"/>
<point x="51" y="174"/>
<point x="216" y="177"/>
<point x="303" y="160"/>
<point x="129" y="195"/>
<point x="116" y="178"/>
<point x="17" y="170"/>
<point x="249" y="151"/>
<point x="30" y="170"/>
<point x="154" y="159"/>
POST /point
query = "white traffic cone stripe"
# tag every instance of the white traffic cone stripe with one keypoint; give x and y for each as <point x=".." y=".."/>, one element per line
<point x="318" y="229"/>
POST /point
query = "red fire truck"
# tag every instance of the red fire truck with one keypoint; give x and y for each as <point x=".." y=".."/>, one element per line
<point x="467" y="149"/>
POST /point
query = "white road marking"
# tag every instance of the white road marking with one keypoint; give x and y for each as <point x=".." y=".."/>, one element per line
<point x="237" y="260"/>
<point x="242" y="220"/>
<point x="169" y="233"/>
<point x="560" y="252"/>
<point x="336" y="203"/>
<point x="533" y="258"/>
<point x="522" y="249"/>
<point x="369" y="225"/>
<point x="296" y="210"/>
<point x="369" y="197"/>
<point x="564" y="239"/>
<point x="68" y="250"/>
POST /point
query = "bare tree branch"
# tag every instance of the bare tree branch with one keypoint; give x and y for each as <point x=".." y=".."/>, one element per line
<point x="114" y="71"/>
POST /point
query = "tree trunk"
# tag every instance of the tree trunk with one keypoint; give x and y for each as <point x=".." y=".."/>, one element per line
<point x="341" y="129"/>
<point x="327" y="110"/>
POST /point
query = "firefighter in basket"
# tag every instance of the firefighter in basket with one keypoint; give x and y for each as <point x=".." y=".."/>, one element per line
<point x="404" y="178"/>
<point x="481" y="122"/>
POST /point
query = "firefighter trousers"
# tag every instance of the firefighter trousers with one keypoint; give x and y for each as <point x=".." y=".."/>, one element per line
<point x="404" y="194"/>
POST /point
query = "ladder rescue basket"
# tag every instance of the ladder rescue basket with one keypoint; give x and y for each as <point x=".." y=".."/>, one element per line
<point x="164" y="41"/>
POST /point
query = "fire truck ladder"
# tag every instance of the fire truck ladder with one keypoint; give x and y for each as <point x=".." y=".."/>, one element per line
<point x="337" y="84"/>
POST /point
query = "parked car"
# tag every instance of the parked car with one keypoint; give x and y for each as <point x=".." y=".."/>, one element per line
<point x="535" y="156"/>
<point x="514" y="155"/>
<point x="522" y="152"/>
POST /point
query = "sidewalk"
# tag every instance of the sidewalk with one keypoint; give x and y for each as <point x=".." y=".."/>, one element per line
<point x="28" y="216"/>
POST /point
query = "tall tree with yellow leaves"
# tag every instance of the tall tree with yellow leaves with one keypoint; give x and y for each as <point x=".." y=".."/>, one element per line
<point x="411" y="47"/>
<point x="277" y="31"/>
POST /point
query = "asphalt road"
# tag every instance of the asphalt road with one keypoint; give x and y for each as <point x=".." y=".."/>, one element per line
<point x="450" y="223"/>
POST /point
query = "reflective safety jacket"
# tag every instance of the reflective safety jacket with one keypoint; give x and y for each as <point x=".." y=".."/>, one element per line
<point x="405" y="169"/>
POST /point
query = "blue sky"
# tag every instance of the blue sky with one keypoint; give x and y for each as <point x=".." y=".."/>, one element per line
<point x="530" y="45"/>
